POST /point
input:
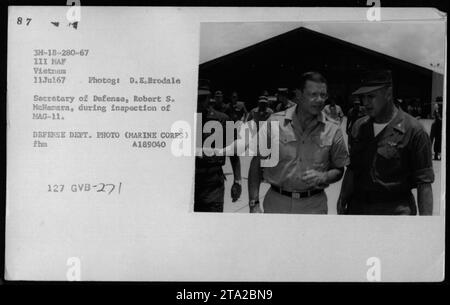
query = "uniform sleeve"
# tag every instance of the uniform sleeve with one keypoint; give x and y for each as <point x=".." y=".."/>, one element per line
<point x="265" y="135"/>
<point x="259" y="136"/>
<point x="339" y="151"/>
<point x="422" y="165"/>
<point x="248" y="137"/>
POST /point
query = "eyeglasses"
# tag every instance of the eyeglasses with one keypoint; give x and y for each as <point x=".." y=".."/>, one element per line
<point x="316" y="95"/>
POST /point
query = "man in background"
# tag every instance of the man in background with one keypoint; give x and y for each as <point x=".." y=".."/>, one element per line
<point x="283" y="100"/>
<point x="436" y="131"/>
<point x="333" y="111"/>
<point x="237" y="110"/>
<point x="219" y="103"/>
<point x="354" y="113"/>
<point x="262" y="112"/>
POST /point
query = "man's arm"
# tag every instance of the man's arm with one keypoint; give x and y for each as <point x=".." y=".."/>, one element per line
<point x="422" y="170"/>
<point x="334" y="175"/>
<point x="339" y="159"/>
<point x="254" y="181"/>
<point x="236" y="188"/>
<point x="319" y="179"/>
<point x="236" y="166"/>
<point x="250" y="115"/>
<point x="254" y="178"/>
<point x="245" y="113"/>
<point x="346" y="193"/>
<point x="255" y="172"/>
<point x="425" y="199"/>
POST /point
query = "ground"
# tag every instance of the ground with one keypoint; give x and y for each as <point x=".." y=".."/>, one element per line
<point x="241" y="206"/>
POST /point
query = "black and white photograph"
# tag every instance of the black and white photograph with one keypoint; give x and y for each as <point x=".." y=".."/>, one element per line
<point x="225" y="144"/>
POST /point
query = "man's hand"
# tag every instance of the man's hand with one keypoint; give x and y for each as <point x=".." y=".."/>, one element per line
<point x="314" y="178"/>
<point x="236" y="191"/>
<point x="255" y="207"/>
<point x="209" y="152"/>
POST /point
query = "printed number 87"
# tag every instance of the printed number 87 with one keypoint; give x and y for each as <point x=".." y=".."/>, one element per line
<point x="19" y="20"/>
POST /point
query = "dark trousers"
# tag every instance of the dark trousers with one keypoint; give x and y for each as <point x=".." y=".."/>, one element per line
<point x="436" y="135"/>
<point x="209" y="190"/>
<point x="382" y="204"/>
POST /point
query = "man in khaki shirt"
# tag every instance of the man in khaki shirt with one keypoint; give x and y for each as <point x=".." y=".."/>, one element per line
<point x="312" y="155"/>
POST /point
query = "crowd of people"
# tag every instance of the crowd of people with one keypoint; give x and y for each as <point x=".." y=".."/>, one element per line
<point x="388" y="152"/>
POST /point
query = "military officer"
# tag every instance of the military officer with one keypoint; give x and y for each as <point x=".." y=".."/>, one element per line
<point x="389" y="156"/>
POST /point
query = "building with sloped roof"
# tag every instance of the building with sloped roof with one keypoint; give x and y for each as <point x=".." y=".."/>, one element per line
<point x="278" y="62"/>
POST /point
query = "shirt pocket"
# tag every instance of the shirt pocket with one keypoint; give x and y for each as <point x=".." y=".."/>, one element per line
<point x="321" y="152"/>
<point x="288" y="146"/>
<point x="388" y="162"/>
<point x="358" y="150"/>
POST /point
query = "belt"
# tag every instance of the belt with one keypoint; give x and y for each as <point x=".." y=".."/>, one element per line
<point x="295" y="195"/>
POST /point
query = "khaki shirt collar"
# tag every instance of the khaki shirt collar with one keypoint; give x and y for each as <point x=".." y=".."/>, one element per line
<point x="291" y="114"/>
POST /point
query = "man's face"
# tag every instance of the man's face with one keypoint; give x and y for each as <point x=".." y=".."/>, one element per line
<point x="375" y="102"/>
<point x="313" y="97"/>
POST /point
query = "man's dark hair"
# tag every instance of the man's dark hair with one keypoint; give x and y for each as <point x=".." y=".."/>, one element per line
<point x="311" y="76"/>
